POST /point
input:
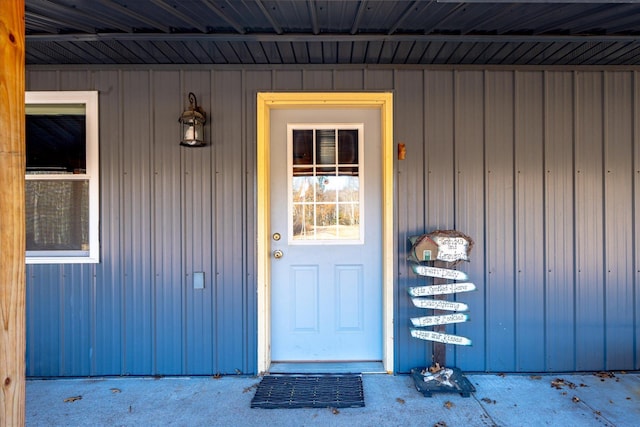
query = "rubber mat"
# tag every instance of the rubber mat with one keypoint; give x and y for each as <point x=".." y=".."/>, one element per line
<point x="309" y="391"/>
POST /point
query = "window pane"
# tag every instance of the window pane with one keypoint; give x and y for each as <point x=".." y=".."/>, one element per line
<point x="302" y="147"/>
<point x="349" y="170"/>
<point x="303" y="221"/>
<point x="325" y="146"/>
<point x="326" y="221"/>
<point x="302" y="189"/>
<point x="326" y="190"/>
<point x="57" y="215"/>
<point x="348" y="188"/>
<point x="349" y="221"/>
<point x="326" y="171"/>
<point x="302" y="171"/>
<point x="348" y="146"/>
<point x="56" y="139"/>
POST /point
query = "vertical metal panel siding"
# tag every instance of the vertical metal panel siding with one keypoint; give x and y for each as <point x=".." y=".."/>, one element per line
<point x="537" y="167"/>
<point x="288" y="80"/>
<point x="230" y="228"/>
<point x="76" y="320"/>
<point x="349" y="79"/>
<point x="108" y="312"/>
<point x="470" y="207"/>
<point x="500" y="223"/>
<point x="137" y="211"/>
<point x="559" y="234"/>
<point x="198" y="238"/>
<point x="529" y="217"/>
<point x="409" y="129"/>
<point x="168" y="301"/>
<point x="636" y="214"/>
<point x="254" y="82"/>
<point x="590" y="257"/>
<point x="44" y="312"/>
<point x="618" y="205"/>
<point x="317" y="79"/>
<point x="378" y="79"/>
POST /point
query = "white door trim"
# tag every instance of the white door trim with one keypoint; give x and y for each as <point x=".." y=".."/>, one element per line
<point x="266" y="101"/>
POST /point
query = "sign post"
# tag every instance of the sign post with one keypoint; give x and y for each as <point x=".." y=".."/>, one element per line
<point x="433" y="255"/>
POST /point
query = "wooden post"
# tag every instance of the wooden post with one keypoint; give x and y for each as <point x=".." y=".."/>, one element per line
<point x="12" y="219"/>
<point x="439" y="350"/>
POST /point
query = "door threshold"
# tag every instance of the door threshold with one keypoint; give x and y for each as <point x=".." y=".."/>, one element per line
<point x="327" y="368"/>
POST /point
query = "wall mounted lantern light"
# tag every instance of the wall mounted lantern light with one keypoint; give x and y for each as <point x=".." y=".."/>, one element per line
<point x="192" y="121"/>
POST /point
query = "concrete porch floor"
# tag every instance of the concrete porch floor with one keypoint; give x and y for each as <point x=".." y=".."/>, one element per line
<point x="588" y="399"/>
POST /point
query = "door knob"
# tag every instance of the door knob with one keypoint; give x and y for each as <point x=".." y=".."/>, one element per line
<point x="277" y="254"/>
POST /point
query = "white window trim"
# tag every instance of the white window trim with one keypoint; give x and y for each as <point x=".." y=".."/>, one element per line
<point x="90" y="99"/>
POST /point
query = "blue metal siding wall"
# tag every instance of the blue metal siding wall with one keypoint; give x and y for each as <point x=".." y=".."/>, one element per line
<point x="539" y="167"/>
<point x="411" y="220"/>
<point x="618" y="245"/>
<point x="167" y="225"/>
<point x="468" y="129"/>
<point x="529" y="218"/>
<point x="198" y="183"/>
<point x="590" y="320"/>
<point x="109" y="326"/>
<point x="138" y="218"/>
<point x="500" y="220"/>
<point x="559" y="325"/>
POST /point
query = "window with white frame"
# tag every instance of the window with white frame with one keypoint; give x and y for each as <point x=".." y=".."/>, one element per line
<point x="62" y="177"/>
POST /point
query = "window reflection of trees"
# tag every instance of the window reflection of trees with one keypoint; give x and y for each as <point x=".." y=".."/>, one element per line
<point x="326" y="199"/>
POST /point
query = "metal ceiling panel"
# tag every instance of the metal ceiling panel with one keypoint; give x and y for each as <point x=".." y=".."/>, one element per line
<point x="286" y="53"/>
<point x="519" y="32"/>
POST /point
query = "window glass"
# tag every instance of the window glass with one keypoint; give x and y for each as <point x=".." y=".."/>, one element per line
<point x="325" y="198"/>
<point x="57" y="214"/>
<point x="56" y="138"/>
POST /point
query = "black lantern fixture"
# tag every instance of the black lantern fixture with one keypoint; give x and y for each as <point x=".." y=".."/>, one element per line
<point x="192" y="121"/>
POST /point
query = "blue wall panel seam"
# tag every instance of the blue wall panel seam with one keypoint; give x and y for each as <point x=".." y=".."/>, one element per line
<point x="487" y="267"/>
<point x="605" y="258"/>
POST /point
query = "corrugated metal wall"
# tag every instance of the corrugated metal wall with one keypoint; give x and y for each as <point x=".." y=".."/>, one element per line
<point x="539" y="167"/>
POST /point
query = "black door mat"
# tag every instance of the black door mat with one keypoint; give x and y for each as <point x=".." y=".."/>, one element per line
<point x="309" y="391"/>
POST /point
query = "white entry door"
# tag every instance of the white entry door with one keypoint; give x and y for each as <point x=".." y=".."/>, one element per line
<point x="326" y="235"/>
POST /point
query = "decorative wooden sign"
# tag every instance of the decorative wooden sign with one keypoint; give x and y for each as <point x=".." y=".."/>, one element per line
<point x="448" y="288"/>
<point x="442" y="273"/>
<point x="439" y="304"/>
<point x="442" y="250"/>
<point x="438" y="337"/>
<point x="441" y="245"/>
<point x="444" y="319"/>
<point x="451" y="249"/>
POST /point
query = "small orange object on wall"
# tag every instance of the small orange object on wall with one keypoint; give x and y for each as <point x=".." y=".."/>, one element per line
<point x="402" y="151"/>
